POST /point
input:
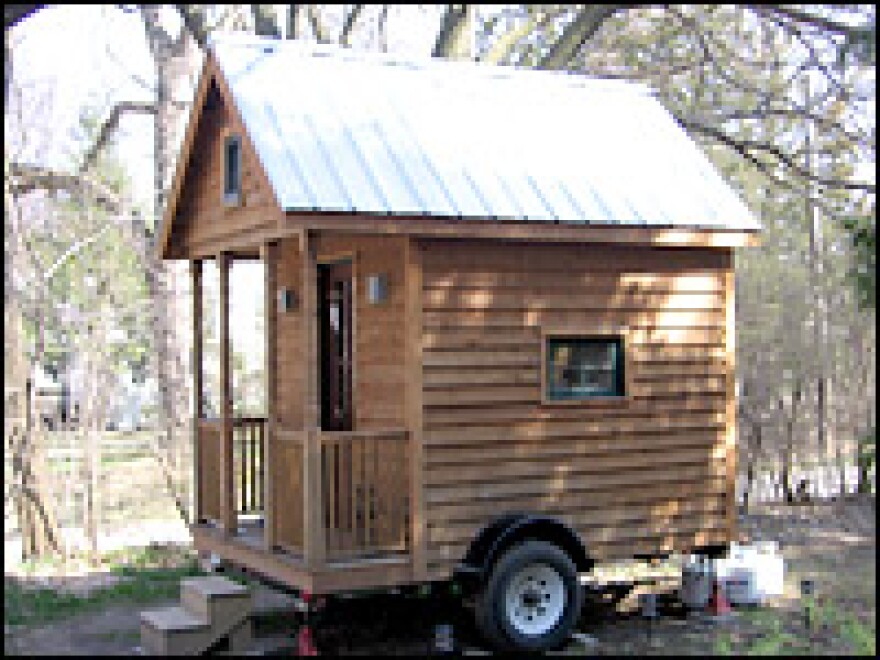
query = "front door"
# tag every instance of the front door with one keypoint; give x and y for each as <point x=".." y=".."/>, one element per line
<point x="335" y="298"/>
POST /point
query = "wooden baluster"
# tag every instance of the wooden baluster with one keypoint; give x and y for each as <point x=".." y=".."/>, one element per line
<point x="255" y="504"/>
<point x="393" y="504"/>
<point x="333" y="522"/>
<point x="241" y="442"/>
<point x="261" y="482"/>
<point x="365" y="493"/>
<point x="246" y="454"/>
<point x="369" y="447"/>
<point x="405" y="449"/>
<point x="352" y="495"/>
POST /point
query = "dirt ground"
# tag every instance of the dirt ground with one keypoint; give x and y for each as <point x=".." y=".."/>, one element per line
<point x="833" y="543"/>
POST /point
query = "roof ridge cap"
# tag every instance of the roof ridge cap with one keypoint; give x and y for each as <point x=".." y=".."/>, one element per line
<point x="425" y="62"/>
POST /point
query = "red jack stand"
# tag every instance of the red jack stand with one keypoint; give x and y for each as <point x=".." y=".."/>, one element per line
<point x="305" y="637"/>
<point x="719" y="606"/>
<point x="305" y="641"/>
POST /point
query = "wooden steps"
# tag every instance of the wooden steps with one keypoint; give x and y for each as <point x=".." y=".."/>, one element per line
<point x="214" y="613"/>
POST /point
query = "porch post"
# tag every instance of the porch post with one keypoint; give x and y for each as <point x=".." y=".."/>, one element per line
<point x="227" y="503"/>
<point x="269" y="255"/>
<point x="196" y="273"/>
<point x="415" y="407"/>
<point x="314" y="550"/>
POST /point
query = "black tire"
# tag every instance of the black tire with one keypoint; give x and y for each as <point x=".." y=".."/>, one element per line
<point x="492" y="615"/>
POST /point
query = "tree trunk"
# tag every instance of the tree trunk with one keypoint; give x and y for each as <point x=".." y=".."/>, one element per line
<point x="787" y="491"/>
<point x="788" y="448"/>
<point x="865" y="459"/>
<point x="454" y="38"/>
<point x="169" y="58"/>
<point x="33" y="503"/>
<point x="89" y="479"/>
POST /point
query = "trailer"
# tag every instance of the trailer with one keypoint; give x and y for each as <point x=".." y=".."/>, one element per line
<point x="499" y="327"/>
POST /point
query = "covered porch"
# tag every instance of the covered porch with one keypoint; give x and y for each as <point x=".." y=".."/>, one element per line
<point x="314" y="509"/>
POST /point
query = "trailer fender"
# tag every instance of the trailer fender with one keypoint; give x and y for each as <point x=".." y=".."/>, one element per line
<point x="502" y="533"/>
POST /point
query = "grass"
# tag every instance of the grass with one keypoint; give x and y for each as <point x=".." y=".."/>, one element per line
<point x="145" y="575"/>
<point x="779" y="632"/>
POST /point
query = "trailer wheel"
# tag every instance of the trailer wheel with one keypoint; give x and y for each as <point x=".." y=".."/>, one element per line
<point x="531" y="600"/>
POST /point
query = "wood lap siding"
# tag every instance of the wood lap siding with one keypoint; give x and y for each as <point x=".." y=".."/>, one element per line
<point x="645" y="475"/>
<point x="290" y="340"/>
<point x="206" y="222"/>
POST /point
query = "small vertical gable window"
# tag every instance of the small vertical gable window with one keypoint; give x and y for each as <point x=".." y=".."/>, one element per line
<point x="232" y="170"/>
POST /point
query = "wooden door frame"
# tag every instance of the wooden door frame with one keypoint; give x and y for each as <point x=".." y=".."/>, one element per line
<point x="329" y="259"/>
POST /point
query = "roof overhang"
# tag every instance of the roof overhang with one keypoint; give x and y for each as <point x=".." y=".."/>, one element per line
<point x="296" y="223"/>
<point x="546" y="232"/>
<point x="209" y="71"/>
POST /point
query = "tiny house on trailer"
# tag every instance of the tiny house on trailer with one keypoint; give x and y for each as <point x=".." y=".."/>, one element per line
<point x="499" y="326"/>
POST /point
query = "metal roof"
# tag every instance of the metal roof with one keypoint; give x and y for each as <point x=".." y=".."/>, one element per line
<point x="340" y="130"/>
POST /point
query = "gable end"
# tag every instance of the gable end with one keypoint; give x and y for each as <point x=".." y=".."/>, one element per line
<point x="199" y="213"/>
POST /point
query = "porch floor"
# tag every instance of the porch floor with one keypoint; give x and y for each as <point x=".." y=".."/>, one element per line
<point x="246" y="549"/>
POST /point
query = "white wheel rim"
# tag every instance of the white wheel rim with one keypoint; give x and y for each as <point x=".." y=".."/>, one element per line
<point x="535" y="599"/>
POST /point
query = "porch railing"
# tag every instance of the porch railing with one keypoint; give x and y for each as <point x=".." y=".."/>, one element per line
<point x="287" y="514"/>
<point x="248" y="444"/>
<point x="365" y="493"/>
<point x="210" y="489"/>
<point x="364" y="483"/>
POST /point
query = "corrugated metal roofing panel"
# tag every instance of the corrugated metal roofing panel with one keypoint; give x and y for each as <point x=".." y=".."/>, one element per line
<point x="339" y="130"/>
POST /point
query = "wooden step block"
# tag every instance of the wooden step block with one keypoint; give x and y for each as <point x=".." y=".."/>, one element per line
<point x="241" y="638"/>
<point x="218" y="600"/>
<point x="174" y="631"/>
<point x="214" y="586"/>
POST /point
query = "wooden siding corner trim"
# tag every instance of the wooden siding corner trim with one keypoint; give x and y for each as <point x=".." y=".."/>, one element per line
<point x="415" y="406"/>
<point x="730" y="386"/>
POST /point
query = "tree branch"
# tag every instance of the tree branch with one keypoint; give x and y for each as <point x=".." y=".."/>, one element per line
<point x="576" y="34"/>
<point x="14" y="14"/>
<point x="73" y="250"/>
<point x="293" y="21"/>
<point x="502" y="48"/>
<point x="793" y="112"/>
<point x="814" y="20"/>
<point x="350" y="20"/>
<point x="195" y="23"/>
<point x="23" y="178"/>
<point x="382" y="29"/>
<point x="454" y="22"/>
<point x="265" y="23"/>
<point x="747" y="148"/>
<point x="315" y="21"/>
<point x="110" y="126"/>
